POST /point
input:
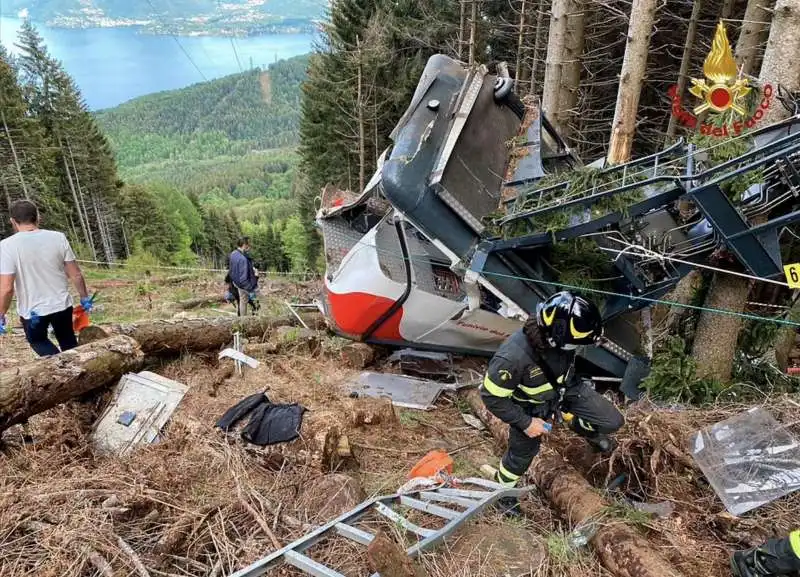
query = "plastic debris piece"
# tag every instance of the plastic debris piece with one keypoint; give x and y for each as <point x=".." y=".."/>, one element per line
<point x="749" y="460"/>
<point x="432" y="464"/>
<point x="239" y="356"/>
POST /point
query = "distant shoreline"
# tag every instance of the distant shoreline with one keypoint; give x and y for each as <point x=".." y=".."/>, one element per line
<point x="195" y="28"/>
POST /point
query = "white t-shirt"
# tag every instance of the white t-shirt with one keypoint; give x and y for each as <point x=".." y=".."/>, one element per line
<point x="37" y="259"/>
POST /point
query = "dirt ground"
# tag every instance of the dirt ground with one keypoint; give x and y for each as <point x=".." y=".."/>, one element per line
<point x="202" y="503"/>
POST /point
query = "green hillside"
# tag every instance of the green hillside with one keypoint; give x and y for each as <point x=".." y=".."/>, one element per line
<point x="225" y="147"/>
<point x="253" y="110"/>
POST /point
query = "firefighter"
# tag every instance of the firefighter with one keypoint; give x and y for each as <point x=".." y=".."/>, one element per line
<point x="773" y="558"/>
<point x="531" y="378"/>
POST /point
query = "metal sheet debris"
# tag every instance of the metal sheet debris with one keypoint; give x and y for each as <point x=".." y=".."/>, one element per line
<point x="749" y="460"/>
<point x="408" y="392"/>
<point x="142" y="405"/>
<point x="428" y="364"/>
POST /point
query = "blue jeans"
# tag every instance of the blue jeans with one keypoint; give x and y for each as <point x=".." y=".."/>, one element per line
<point x="62" y="327"/>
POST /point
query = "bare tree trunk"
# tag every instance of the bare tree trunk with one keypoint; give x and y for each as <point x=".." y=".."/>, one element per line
<point x="83" y="223"/>
<point x="556" y="47"/>
<point x="520" y="46"/>
<point x="81" y="198"/>
<point x="14" y="153"/>
<point x="686" y="59"/>
<point x="715" y="340"/>
<point x="782" y="66"/>
<point x="634" y="66"/>
<point x="537" y="42"/>
<point x="753" y="34"/>
<point x="44" y="383"/>
<point x="572" y="66"/>
<point x="203" y="334"/>
<point x="461" y="31"/>
<point x="362" y="153"/>
<point x="727" y="9"/>
<point x="473" y="31"/>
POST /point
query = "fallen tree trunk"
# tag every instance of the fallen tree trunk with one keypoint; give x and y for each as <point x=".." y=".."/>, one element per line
<point x="203" y="334"/>
<point x="621" y="549"/>
<point x="198" y="302"/>
<point x="49" y="381"/>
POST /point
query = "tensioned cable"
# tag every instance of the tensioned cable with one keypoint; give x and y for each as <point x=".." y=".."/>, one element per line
<point x="747" y="316"/>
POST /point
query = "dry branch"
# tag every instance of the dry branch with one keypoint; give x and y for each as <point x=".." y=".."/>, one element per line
<point x="49" y="381"/>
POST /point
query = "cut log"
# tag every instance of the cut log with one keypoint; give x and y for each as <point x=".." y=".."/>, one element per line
<point x="369" y="411"/>
<point x="49" y="381"/>
<point x="621" y="549"/>
<point x="173" y="336"/>
<point x="357" y="355"/>
<point x="390" y="560"/>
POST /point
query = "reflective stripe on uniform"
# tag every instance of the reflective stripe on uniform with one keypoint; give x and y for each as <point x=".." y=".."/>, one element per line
<point x="586" y="426"/>
<point x="506" y="477"/>
<point x="495" y="390"/>
<point x="534" y="401"/>
<point x="794" y="540"/>
<point x="536" y="390"/>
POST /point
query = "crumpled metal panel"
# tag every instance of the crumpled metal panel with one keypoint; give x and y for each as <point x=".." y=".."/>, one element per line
<point x="404" y="391"/>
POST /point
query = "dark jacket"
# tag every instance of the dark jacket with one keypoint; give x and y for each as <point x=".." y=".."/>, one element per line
<point x="515" y="388"/>
<point x="241" y="271"/>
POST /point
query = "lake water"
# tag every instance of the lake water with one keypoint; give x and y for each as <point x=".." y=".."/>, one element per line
<point x="112" y="65"/>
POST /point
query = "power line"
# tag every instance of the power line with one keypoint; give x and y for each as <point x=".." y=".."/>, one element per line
<point x="564" y="286"/>
<point x="178" y="42"/>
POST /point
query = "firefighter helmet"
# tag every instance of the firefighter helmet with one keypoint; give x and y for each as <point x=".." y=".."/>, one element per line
<point x="569" y="321"/>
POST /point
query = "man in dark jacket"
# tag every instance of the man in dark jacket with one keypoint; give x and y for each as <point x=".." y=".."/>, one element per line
<point x="531" y="379"/>
<point x="243" y="275"/>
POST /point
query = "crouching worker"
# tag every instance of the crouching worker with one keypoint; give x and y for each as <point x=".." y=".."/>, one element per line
<point x="531" y="378"/>
<point x="773" y="558"/>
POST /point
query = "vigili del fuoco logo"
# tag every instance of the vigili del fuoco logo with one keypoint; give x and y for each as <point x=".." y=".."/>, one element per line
<point x="721" y="90"/>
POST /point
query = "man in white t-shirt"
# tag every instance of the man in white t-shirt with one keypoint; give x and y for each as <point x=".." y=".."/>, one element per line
<point x="35" y="265"/>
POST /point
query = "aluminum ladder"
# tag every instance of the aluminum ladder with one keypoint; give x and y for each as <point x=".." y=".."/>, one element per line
<point x="437" y="502"/>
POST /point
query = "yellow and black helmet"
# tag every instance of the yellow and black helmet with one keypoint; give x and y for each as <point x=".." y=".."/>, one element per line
<point x="569" y="321"/>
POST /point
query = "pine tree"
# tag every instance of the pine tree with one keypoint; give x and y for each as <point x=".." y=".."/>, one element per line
<point x="26" y="160"/>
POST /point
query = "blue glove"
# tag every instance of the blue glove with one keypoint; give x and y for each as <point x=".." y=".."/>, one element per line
<point x="228" y="297"/>
<point x="87" y="303"/>
<point x="252" y="296"/>
<point x="3" y="325"/>
<point x="34" y="320"/>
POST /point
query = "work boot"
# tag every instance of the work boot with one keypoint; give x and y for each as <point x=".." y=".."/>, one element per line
<point x="509" y="506"/>
<point x="773" y="558"/>
<point x="602" y="444"/>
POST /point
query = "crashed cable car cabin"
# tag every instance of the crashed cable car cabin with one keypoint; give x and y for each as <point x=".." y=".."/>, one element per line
<point x="411" y="260"/>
